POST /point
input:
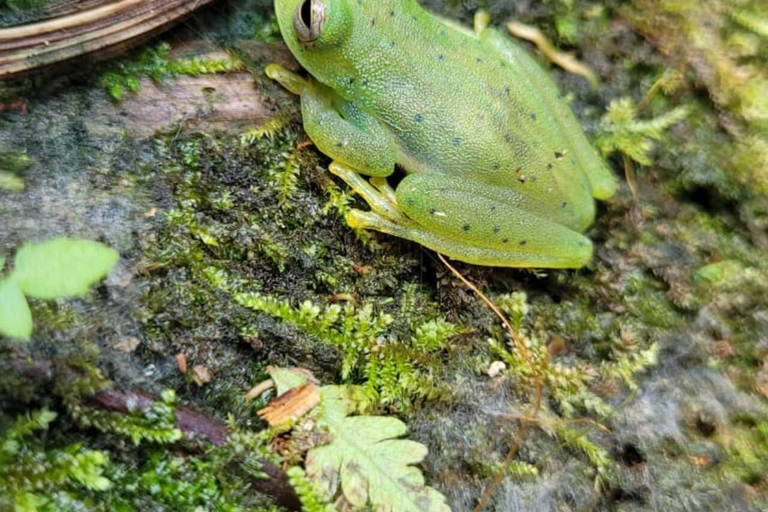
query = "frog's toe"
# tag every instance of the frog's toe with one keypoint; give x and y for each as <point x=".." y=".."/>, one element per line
<point x="287" y="79"/>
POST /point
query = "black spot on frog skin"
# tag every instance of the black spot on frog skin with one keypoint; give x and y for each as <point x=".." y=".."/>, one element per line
<point x="507" y="138"/>
<point x="503" y="64"/>
<point x="493" y="208"/>
<point x="479" y="60"/>
<point x="419" y="118"/>
<point x="432" y="211"/>
<point x="392" y="44"/>
<point x="351" y="80"/>
<point x="456" y="141"/>
<point x="504" y="240"/>
<point x="441" y="57"/>
<point x="549" y="166"/>
<point x="523" y="242"/>
<point x="533" y="179"/>
<point x="563" y="204"/>
<point x="559" y="155"/>
<point x="365" y="81"/>
<point x="496" y="229"/>
<point x="392" y="13"/>
<point x="507" y="90"/>
<point x="496" y="166"/>
<point x="339" y="144"/>
<point x="373" y="22"/>
<point x="410" y="200"/>
<point x="466" y="227"/>
<point x="533" y="115"/>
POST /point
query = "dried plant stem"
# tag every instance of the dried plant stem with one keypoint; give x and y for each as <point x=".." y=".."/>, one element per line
<point x="100" y="30"/>
<point x="528" y="419"/>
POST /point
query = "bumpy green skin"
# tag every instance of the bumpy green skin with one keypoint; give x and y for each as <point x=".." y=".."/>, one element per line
<point x="499" y="171"/>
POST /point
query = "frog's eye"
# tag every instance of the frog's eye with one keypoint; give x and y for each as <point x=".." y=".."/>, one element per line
<point x="308" y="20"/>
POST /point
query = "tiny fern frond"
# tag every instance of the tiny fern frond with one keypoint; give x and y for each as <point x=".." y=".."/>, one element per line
<point x="623" y="132"/>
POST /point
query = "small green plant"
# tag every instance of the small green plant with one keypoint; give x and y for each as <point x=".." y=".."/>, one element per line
<point x="571" y="385"/>
<point x="309" y="495"/>
<point x="285" y="177"/>
<point x="53" y="269"/>
<point x="34" y="479"/>
<point x="269" y="128"/>
<point x="156" y="64"/>
<point x="622" y="131"/>
<point x="156" y="424"/>
<point x="365" y="459"/>
<point x="396" y="371"/>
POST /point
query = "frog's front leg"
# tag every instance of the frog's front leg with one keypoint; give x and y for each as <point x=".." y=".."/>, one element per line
<point x="478" y="224"/>
<point x="356" y="141"/>
<point x="339" y="128"/>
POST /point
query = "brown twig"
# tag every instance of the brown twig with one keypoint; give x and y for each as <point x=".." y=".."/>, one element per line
<point x="526" y="420"/>
<point x="194" y="424"/>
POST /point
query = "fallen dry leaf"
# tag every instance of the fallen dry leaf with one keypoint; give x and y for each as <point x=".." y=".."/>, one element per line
<point x="201" y="375"/>
<point x="127" y="344"/>
<point x="181" y="360"/>
<point x="291" y="405"/>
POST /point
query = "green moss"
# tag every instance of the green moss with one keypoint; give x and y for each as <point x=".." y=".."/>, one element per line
<point x="157" y="65"/>
<point x="156" y="424"/>
<point x="34" y="477"/>
<point x="395" y="371"/>
<point x="746" y="446"/>
<point x="311" y="498"/>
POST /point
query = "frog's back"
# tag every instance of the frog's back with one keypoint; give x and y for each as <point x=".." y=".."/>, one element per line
<point x="462" y="105"/>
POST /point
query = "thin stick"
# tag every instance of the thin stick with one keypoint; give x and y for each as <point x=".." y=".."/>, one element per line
<point x="511" y="454"/>
<point x="525" y="420"/>
<point x="542" y="421"/>
<point x="629" y="174"/>
<point x="519" y="343"/>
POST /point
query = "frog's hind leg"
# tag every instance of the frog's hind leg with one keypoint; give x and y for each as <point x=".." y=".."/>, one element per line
<point x="470" y="223"/>
<point x="602" y="182"/>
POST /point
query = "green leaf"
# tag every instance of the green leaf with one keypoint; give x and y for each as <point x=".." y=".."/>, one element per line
<point x="286" y="378"/>
<point x="61" y="267"/>
<point x="365" y="456"/>
<point x="15" y="317"/>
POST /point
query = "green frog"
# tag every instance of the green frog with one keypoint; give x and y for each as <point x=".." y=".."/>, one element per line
<point x="497" y="170"/>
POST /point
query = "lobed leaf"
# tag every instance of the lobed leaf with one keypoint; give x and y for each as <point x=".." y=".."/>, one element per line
<point x="368" y="460"/>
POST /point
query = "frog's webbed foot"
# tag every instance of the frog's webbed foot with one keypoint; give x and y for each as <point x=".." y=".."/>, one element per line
<point x="384" y="215"/>
<point x="377" y="193"/>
